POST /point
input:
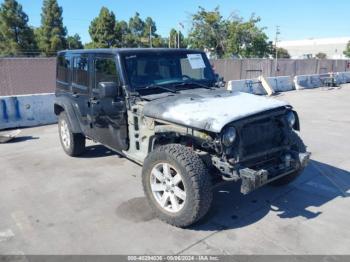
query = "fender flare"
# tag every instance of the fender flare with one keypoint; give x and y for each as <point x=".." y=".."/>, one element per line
<point x="63" y="104"/>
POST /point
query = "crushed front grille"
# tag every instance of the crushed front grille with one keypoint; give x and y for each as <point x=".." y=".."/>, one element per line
<point x="261" y="136"/>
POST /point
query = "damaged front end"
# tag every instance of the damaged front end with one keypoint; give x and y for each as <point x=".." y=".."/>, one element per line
<point x="263" y="148"/>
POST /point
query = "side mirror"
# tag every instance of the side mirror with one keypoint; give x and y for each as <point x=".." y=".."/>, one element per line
<point x="109" y="89"/>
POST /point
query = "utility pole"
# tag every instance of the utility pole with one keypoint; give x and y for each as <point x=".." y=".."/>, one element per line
<point x="150" y="36"/>
<point x="276" y="40"/>
<point x="169" y="41"/>
<point x="178" y="34"/>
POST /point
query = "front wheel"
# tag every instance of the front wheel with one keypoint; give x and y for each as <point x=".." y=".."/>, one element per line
<point x="299" y="146"/>
<point x="72" y="143"/>
<point x="177" y="185"/>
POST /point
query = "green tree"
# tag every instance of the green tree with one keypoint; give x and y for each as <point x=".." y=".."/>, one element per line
<point x="74" y="42"/>
<point x="149" y="25"/>
<point x="321" y="55"/>
<point x="136" y="25"/>
<point x="228" y="37"/>
<point x="347" y="50"/>
<point x="150" y="28"/>
<point x="159" y="41"/>
<point x="51" y="36"/>
<point x="90" y="45"/>
<point x="281" y="52"/>
<point x="16" y="36"/>
<point x="173" y="41"/>
<point x="123" y="34"/>
<point x="246" y="39"/>
<point x="102" y="30"/>
<point x="137" y="30"/>
<point x="209" y="31"/>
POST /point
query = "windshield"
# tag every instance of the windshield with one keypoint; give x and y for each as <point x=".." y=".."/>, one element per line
<point x="145" y="70"/>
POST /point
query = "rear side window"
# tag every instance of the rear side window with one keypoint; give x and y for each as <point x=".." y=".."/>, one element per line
<point x="63" y="65"/>
<point x="81" y="71"/>
<point x="105" y="70"/>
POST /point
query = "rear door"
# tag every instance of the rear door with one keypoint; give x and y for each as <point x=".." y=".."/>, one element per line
<point x="80" y="88"/>
<point x="108" y="115"/>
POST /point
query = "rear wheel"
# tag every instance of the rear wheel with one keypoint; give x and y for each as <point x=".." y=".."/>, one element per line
<point x="72" y="143"/>
<point x="177" y="185"/>
<point x="299" y="146"/>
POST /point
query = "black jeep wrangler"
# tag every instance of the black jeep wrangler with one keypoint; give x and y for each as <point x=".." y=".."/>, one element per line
<point x="165" y="109"/>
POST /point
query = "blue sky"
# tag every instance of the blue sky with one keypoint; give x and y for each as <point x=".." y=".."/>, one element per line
<point x="298" y="19"/>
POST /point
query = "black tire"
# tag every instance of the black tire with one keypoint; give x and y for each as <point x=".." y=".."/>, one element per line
<point x="298" y="145"/>
<point x="196" y="181"/>
<point x="77" y="141"/>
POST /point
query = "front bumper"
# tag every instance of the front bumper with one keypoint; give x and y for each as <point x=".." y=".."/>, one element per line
<point x="255" y="177"/>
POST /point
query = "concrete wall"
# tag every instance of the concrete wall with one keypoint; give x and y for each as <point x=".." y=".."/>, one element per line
<point x="26" y="110"/>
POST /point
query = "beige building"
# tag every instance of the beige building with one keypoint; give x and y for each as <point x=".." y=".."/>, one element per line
<point x="332" y="47"/>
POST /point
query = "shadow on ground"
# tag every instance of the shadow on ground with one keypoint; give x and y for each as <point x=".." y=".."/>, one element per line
<point x="319" y="184"/>
<point x="22" y="139"/>
<point x="98" y="151"/>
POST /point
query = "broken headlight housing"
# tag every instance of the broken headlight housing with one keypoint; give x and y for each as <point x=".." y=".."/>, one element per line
<point x="229" y="136"/>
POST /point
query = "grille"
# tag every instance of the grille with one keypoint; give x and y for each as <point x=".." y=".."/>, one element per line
<point x="260" y="136"/>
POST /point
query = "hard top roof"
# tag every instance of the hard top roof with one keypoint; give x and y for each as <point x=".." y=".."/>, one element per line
<point x="129" y="51"/>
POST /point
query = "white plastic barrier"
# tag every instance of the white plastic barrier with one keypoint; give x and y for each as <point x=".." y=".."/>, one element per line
<point x="346" y="76"/>
<point x="307" y="81"/>
<point x="340" y="78"/>
<point x="343" y="77"/>
<point x="252" y="86"/>
<point x="281" y="83"/>
<point x="27" y="110"/>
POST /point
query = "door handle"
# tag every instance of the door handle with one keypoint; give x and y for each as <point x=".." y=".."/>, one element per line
<point x="75" y="95"/>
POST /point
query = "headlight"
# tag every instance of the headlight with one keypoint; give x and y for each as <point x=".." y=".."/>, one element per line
<point x="291" y="119"/>
<point x="229" y="136"/>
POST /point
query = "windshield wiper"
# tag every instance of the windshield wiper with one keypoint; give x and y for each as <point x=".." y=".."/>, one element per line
<point x="192" y="83"/>
<point x="153" y="86"/>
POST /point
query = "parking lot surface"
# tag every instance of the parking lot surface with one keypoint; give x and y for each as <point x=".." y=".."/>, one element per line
<point x="54" y="204"/>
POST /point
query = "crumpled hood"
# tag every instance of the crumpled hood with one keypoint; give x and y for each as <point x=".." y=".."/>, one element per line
<point x="206" y="109"/>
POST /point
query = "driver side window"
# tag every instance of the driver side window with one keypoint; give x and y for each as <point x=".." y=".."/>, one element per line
<point x="105" y="71"/>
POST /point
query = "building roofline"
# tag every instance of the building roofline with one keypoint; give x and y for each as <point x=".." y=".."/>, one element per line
<point x="314" y="41"/>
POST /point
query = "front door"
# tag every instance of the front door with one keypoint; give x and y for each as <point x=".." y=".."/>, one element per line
<point x="108" y="114"/>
